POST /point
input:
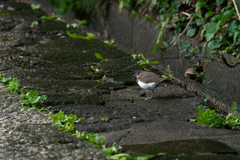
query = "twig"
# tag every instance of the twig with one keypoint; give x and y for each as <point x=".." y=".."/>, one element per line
<point x="126" y="68"/>
<point x="235" y="5"/>
<point x="229" y="65"/>
<point x="186" y="14"/>
<point x="141" y="62"/>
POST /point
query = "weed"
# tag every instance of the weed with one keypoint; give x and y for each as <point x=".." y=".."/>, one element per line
<point x="110" y="43"/>
<point x="104" y="119"/>
<point x="13" y="85"/>
<point x="75" y="25"/>
<point x="210" y="118"/>
<point x="65" y="122"/>
<point x="33" y="98"/>
<point x="34" y="24"/>
<point x="170" y="74"/>
<point x="5" y="79"/>
<point x="144" y="61"/>
<point x="52" y="17"/>
<point x="35" y="6"/>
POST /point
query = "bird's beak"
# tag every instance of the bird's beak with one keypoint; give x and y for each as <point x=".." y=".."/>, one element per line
<point x="132" y="76"/>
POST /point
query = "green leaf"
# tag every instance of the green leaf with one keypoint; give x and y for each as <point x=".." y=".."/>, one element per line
<point x="234" y="106"/>
<point x="199" y="21"/>
<point x="143" y="63"/>
<point x="217" y="17"/>
<point x="209" y="36"/>
<point x="98" y="56"/>
<point x="35" y="6"/>
<point x="192" y="62"/>
<point x="233" y="25"/>
<point x="112" y="41"/>
<point x="155" y="62"/>
<point x="169" y="70"/>
<point x="148" y="18"/>
<point x="165" y="77"/>
<point x="200" y="5"/>
<point x="106" y="42"/>
<point x="191" y="31"/>
<point x="210" y="13"/>
<point x="211" y="27"/>
<point x="213" y="43"/>
<point x="84" y="21"/>
<point x="226" y="15"/>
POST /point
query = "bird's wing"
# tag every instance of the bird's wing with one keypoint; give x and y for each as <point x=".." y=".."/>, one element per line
<point x="151" y="77"/>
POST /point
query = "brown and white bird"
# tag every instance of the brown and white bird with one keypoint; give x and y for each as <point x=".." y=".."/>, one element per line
<point x="148" y="80"/>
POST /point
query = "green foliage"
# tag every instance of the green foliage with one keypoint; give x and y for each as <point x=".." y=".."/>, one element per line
<point x="4" y="79"/>
<point x="110" y="43"/>
<point x="51" y="17"/>
<point x="104" y="119"/>
<point x="170" y="74"/>
<point x="143" y="60"/>
<point x="34" y="24"/>
<point x="211" y="118"/>
<point x="36" y="6"/>
<point x="13" y="85"/>
<point x="75" y="25"/>
<point x="65" y="122"/>
<point x="33" y="98"/>
<point x="75" y="35"/>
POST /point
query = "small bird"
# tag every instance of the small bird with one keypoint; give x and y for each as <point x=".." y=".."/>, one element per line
<point x="148" y="80"/>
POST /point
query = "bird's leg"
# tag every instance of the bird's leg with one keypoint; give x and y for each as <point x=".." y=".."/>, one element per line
<point x="152" y="93"/>
<point x="147" y="95"/>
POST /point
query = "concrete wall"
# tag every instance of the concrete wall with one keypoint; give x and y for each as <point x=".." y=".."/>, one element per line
<point x="140" y="35"/>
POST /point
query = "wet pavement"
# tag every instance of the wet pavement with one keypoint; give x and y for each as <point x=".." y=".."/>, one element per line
<point x="47" y="60"/>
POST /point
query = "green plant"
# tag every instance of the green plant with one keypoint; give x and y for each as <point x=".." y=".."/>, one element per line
<point x="104" y="119"/>
<point x="170" y="74"/>
<point x="13" y="85"/>
<point x="65" y="122"/>
<point x="75" y="25"/>
<point x="96" y="70"/>
<point x="35" y="6"/>
<point x="75" y="35"/>
<point x="33" y="98"/>
<point x="110" y="43"/>
<point x="34" y="24"/>
<point x="51" y="17"/>
<point x="211" y="118"/>
<point x="5" y="79"/>
<point x="144" y="61"/>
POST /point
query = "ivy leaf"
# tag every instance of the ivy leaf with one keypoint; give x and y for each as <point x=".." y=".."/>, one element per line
<point x="200" y="5"/>
<point x="149" y="18"/>
<point x="199" y="21"/>
<point x="233" y="25"/>
<point x="213" y="43"/>
<point x="226" y="15"/>
<point x="210" y="13"/>
<point x="211" y="27"/>
<point x="209" y="36"/>
<point x="191" y="31"/>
